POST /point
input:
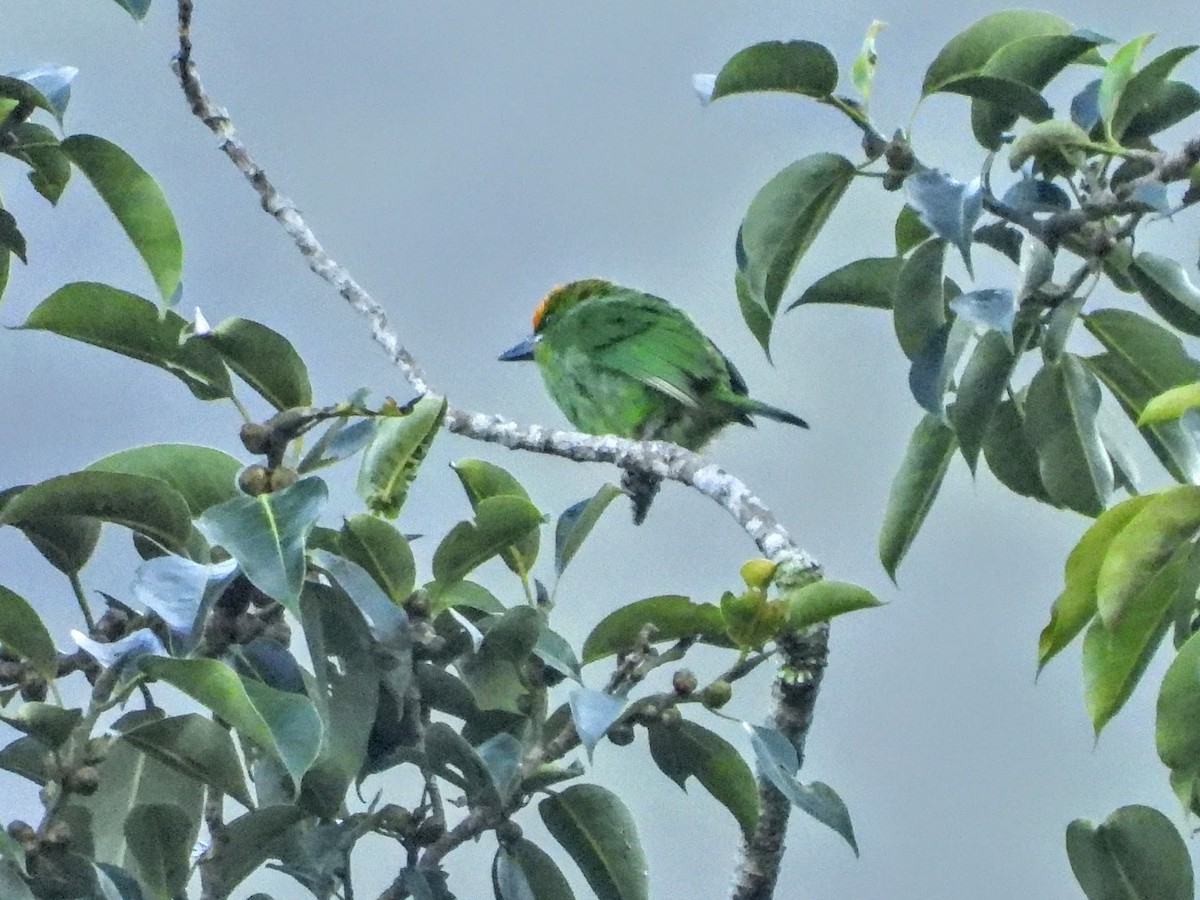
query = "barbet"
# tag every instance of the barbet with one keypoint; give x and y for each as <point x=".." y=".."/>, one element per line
<point x="619" y="361"/>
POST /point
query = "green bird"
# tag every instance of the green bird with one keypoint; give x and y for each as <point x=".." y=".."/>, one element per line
<point x="620" y="361"/>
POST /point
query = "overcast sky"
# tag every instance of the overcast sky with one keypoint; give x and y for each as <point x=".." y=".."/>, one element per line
<point x="460" y="158"/>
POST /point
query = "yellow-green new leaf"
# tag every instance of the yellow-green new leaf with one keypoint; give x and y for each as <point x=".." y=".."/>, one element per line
<point x="390" y="463"/>
<point x="822" y="600"/>
<point x="1171" y="404"/>
<point x="482" y="480"/>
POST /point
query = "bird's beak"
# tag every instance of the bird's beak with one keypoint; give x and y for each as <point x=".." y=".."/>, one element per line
<point x="520" y="352"/>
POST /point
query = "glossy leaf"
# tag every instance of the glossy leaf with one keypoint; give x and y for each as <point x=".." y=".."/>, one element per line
<point x="914" y="489"/>
<point x="991" y="308"/>
<point x="196" y="747"/>
<point x="1144" y="86"/>
<point x="1032" y="61"/>
<point x="824" y="599"/>
<point x="592" y="712"/>
<point x="577" y="522"/>
<point x="1142" y="360"/>
<point x="160" y="838"/>
<point x="22" y="633"/>
<point x="145" y="505"/>
<point x="1143" y="546"/>
<point x="1009" y="97"/>
<point x="909" y="230"/>
<point x="798" y="67"/>
<point x="39" y="148"/>
<point x="1171" y="404"/>
<point x="345" y="691"/>
<point x="265" y="360"/>
<point x="388" y="623"/>
<point x="284" y="724"/>
<point x="980" y="392"/>
<point x="919" y="303"/>
<point x="266" y="535"/>
<point x="782" y="221"/>
<point x="598" y="833"/>
<point x="523" y="871"/>
<point x="864" y="282"/>
<point x="1135" y="853"/>
<point x="203" y="476"/>
<point x="970" y="50"/>
<point x="685" y="750"/>
<point x="1168" y="289"/>
<point x="128" y="779"/>
<point x="482" y="480"/>
<point x="382" y="551"/>
<point x="1116" y="76"/>
<point x="672" y="616"/>
<point x="1115" y="656"/>
<point x="1061" y="410"/>
<point x="557" y="653"/>
<point x="137" y="202"/>
<point x="1010" y="455"/>
<point x="500" y="522"/>
<point x="132" y="326"/>
<point x="949" y="208"/>
<point x="391" y="461"/>
<point x="778" y="763"/>
<point x="1173" y="102"/>
<point x="47" y="87"/>
<point x="1076" y="605"/>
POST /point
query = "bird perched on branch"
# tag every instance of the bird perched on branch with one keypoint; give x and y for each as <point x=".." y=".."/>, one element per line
<point x="619" y="361"/>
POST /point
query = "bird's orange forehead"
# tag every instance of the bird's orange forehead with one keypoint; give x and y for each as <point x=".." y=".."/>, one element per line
<point x="544" y="305"/>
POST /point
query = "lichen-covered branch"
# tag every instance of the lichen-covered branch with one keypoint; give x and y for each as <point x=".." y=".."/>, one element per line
<point x="796" y="686"/>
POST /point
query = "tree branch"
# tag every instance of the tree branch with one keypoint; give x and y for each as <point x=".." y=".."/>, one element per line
<point x="804" y="655"/>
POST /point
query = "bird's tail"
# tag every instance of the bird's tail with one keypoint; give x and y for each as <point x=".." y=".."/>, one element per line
<point x="641" y="489"/>
<point x="758" y="408"/>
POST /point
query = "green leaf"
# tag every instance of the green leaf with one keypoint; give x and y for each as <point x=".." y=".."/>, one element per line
<point x="21" y="88"/>
<point x="1168" y="290"/>
<point x="203" y="476"/>
<point x="450" y="756"/>
<point x="22" y="633"/>
<point x="1116" y="76"/>
<point x="160" y="838"/>
<point x="577" y="522"/>
<point x="1176" y="733"/>
<point x="782" y="221"/>
<point x="597" y="831"/>
<point x="672" y="616"/>
<point x="129" y="779"/>
<point x="1010" y="455"/>
<point x="524" y="866"/>
<point x="500" y="522"/>
<point x="383" y="552"/>
<point x="1076" y="605"/>
<point x="482" y="480"/>
<point x="132" y="326"/>
<point x="980" y="392"/>
<point x="1142" y="360"/>
<point x="756" y="317"/>
<point x="284" y="724"/>
<point x="1171" y="404"/>
<point x="778" y="762"/>
<point x="970" y="50"/>
<point x="1144" y="86"/>
<point x="495" y="673"/>
<point x="1142" y="548"/>
<point x="196" y="747"/>
<point x="1032" y="61"/>
<point x="51" y="725"/>
<point x="1115" y="657"/>
<point x="345" y="691"/>
<point x="686" y="750"/>
<point x="824" y="599"/>
<point x="864" y="282"/>
<point x="910" y="231"/>
<point x="137" y="9"/>
<point x="862" y="72"/>
<point x="798" y="67"/>
<point x="266" y="535"/>
<point x="145" y="505"/>
<point x="265" y="360"/>
<point x="914" y="488"/>
<point x="1060" y="410"/>
<point x="919" y="303"/>
<point x="391" y="461"/>
<point x="1135" y="854"/>
<point x="252" y="838"/>
<point x="1173" y="102"/>
<point x="26" y="757"/>
<point x="138" y="203"/>
<point x="66" y="542"/>
<point x="1009" y="97"/>
<point x="39" y="148"/>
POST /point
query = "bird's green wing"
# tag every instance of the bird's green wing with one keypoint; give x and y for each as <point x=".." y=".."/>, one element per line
<point x="646" y="338"/>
